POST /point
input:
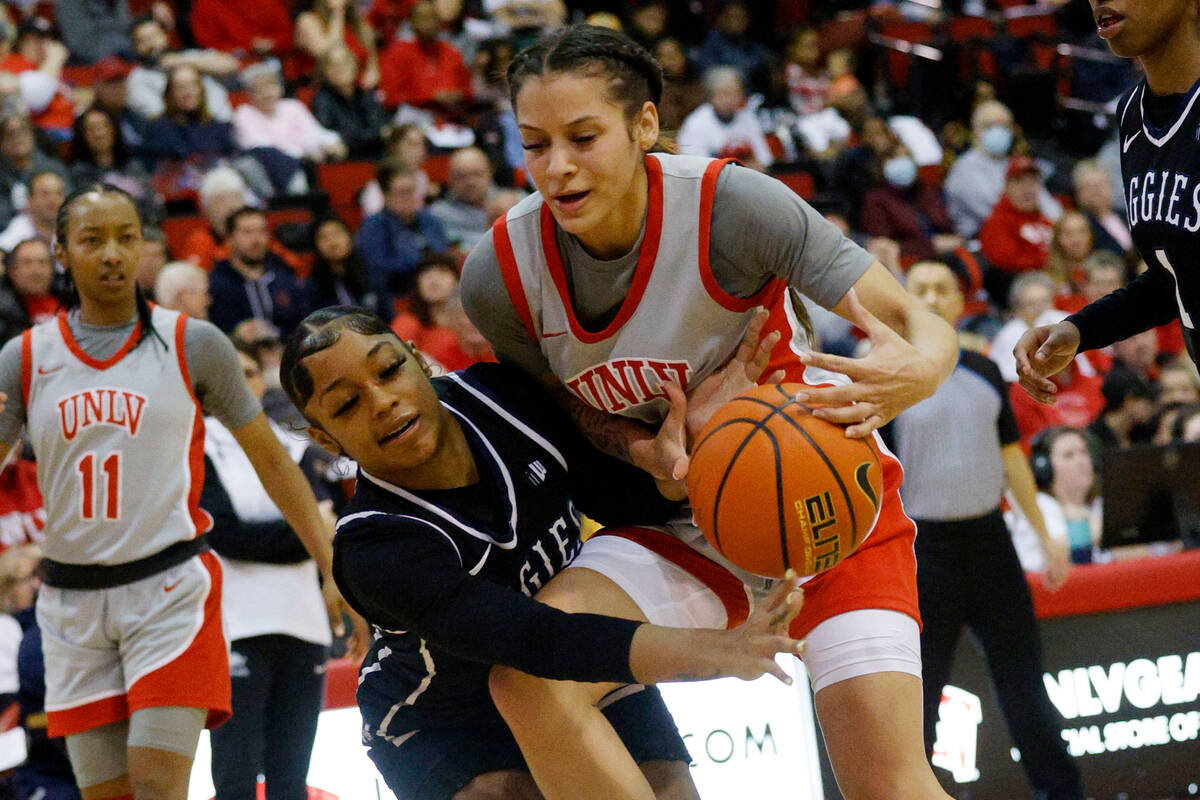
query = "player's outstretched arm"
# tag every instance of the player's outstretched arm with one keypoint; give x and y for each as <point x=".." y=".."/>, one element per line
<point x="664" y="655"/>
<point x="912" y="352"/>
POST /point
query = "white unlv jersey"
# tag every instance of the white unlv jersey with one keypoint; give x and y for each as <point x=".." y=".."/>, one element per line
<point x="675" y="324"/>
<point x="119" y="443"/>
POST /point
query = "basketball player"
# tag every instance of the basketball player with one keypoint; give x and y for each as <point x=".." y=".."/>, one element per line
<point x="629" y="269"/>
<point x="469" y="492"/>
<point x="1159" y="125"/>
<point x="111" y="393"/>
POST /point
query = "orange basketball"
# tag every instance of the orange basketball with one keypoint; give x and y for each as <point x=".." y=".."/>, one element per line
<point x="774" y="487"/>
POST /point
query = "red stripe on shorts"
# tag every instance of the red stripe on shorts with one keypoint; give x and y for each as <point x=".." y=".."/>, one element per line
<point x="87" y="716"/>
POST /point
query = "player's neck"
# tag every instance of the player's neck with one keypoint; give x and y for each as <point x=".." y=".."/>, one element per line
<point x="619" y="232"/>
<point x="92" y="313"/>
<point x="1174" y="66"/>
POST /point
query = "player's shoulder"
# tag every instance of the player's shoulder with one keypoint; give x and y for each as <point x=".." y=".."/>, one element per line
<point x="983" y="366"/>
<point x="1129" y="107"/>
<point x="501" y="391"/>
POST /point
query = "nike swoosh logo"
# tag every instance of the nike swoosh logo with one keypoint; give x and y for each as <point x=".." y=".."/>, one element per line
<point x="173" y="585"/>
<point x="1129" y="141"/>
<point x="44" y="371"/>
<point x="552" y="335"/>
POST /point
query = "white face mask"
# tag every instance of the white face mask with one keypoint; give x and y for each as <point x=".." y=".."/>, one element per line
<point x="900" y="171"/>
<point x="997" y="139"/>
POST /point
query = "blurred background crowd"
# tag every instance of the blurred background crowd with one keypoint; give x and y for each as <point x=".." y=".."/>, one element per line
<point x="292" y="154"/>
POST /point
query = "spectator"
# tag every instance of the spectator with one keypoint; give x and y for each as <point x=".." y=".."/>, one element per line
<point x="1016" y="237"/>
<point x="807" y="83"/>
<point x="1070" y="246"/>
<point x="20" y="160"/>
<point x="977" y="180"/>
<point x="335" y="24"/>
<point x="99" y="154"/>
<point x="906" y="211"/>
<point x="46" y="773"/>
<point x="386" y="17"/>
<point x="18" y="587"/>
<point x="25" y="289"/>
<point x="275" y="615"/>
<point x="261" y="340"/>
<point x="500" y="203"/>
<point x="271" y="125"/>
<point x="186" y="129"/>
<point x="147" y="82"/>
<point x="182" y="286"/>
<point x="682" y="91"/>
<point x="434" y="320"/>
<point x="1030" y="297"/>
<point x="47" y="190"/>
<point x="260" y="28"/>
<point x="724" y="124"/>
<point x="396" y="238"/>
<point x="1094" y="197"/>
<point x="1187" y="425"/>
<point x="94" y="29"/>
<point x="1138" y="354"/>
<point x="1079" y="401"/>
<point x="649" y="23"/>
<point x="462" y="211"/>
<point x="110" y="92"/>
<point x="253" y="282"/>
<point x="23" y="85"/>
<point x="1068" y="498"/>
<point x="346" y="108"/>
<point x="1103" y="273"/>
<point x="425" y="71"/>
<point x="155" y="255"/>
<point x="405" y="144"/>
<point x="222" y="192"/>
<point x="1129" y="402"/>
<point x="40" y="58"/>
<point x="729" y="43"/>
<point x="1178" y="384"/>
<point x="339" y="272"/>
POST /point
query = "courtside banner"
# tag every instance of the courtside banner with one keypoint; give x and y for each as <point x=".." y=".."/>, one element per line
<point x="746" y="739"/>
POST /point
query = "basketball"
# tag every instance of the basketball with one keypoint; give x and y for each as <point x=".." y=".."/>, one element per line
<point x="772" y="487"/>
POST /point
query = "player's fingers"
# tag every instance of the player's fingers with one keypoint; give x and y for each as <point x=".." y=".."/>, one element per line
<point x="825" y="396"/>
<point x="1039" y="389"/>
<point x="746" y="349"/>
<point x="864" y="319"/>
<point x="680" y="470"/>
<point x="845" y="415"/>
<point x="865" y="428"/>
<point x="846" y="366"/>
<point x="776" y="377"/>
<point x="334" y="609"/>
<point x="677" y="414"/>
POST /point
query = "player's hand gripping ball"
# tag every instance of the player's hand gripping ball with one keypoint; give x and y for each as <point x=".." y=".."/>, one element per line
<point x="774" y="487"/>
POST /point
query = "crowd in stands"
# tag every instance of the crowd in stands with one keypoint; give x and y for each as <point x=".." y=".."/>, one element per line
<point x="287" y="155"/>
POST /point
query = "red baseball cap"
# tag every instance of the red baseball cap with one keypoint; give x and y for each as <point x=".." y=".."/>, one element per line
<point x="1021" y="165"/>
<point x="110" y="68"/>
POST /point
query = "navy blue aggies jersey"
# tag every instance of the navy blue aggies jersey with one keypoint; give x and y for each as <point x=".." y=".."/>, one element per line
<point x="446" y="576"/>
<point x="1160" y="167"/>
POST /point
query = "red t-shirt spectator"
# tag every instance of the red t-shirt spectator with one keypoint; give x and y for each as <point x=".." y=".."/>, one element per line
<point x="385" y="17"/>
<point x="416" y="73"/>
<point x="60" y="113"/>
<point x="1015" y="240"/>
<point x="234" y="25"/>
<point x="202" y="249"/>
<point x="1077" y="404"/>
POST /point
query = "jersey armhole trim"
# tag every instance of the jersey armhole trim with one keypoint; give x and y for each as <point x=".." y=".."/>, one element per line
<point x="647" y="255"/>
<point x="512" y="275"/>
<point x="202" y="521"/>
<point x="26" y="364"/>
<point x="708" y="191"/>
<point x="181" y="354"/>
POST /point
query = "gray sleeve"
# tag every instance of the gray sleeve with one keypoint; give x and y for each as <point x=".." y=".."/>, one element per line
<point x="486" y="301"/>
<point x="217" y="375"/>
<point x="762" y="229"/>
<point x="13" y="415"/>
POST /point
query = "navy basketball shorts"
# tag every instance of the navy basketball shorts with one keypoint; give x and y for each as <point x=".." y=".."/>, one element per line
<point x="437" y="763"/>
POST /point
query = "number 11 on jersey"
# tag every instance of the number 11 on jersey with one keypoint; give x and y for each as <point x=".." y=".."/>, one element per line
<point x="111" y="467"/>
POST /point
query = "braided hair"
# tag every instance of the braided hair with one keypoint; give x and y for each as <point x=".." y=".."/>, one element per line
<point x="633" y="74"/>
<point x="68" y="294"/>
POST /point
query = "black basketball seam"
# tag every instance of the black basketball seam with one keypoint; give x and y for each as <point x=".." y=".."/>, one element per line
<point x="725" y="477"/>
<point x="841" y="484"/>
<point x="783" y="543"/>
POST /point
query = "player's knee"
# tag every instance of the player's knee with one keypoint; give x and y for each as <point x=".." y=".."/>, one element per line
<point x="156" y="786"/>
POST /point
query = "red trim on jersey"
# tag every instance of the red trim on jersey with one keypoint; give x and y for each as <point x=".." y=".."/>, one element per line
<point x="87" y="716"/>
<point x="199" y="678"/>
<point x="200" y="518"/>
<point x="728" y="587"/>
<point x="641" y="273"/>
<point x="78" y="352"/>
<point x="512" y="275"/>
<point x="708" y="191"/>
<point x="26" y="365"/>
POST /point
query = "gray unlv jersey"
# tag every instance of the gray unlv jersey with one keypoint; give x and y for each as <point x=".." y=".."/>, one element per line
<point x="119" y="442"/>
<point x="675" y="324"/>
